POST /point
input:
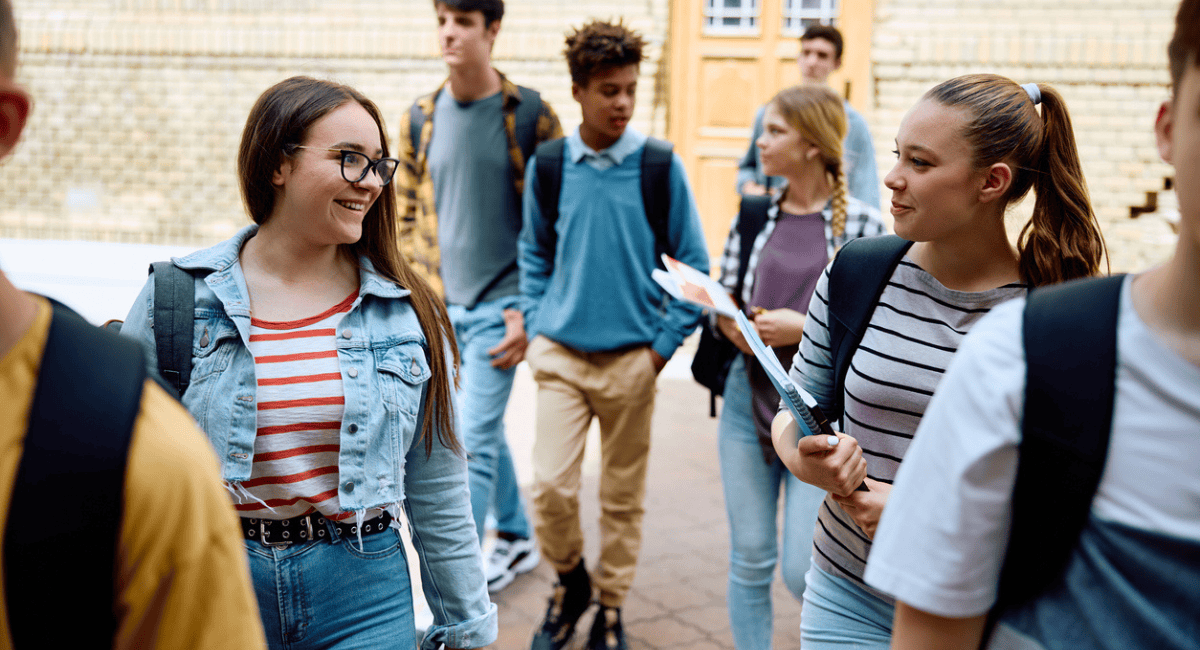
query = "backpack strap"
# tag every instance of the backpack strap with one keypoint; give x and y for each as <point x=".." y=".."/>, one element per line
<point x="416" y="120"/>
<point x="549" y="175"/>
<point x="1070" y="338"/>
<point x="752" y="217"/>
<point x="525" y="118"/>
<point x="67" y="503"/>
<point x="174" y="314"/>
<point x="857" y="278"/>
<point x="657" y="156"/>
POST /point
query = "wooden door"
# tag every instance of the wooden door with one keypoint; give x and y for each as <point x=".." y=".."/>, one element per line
<point x="727" y="58"/>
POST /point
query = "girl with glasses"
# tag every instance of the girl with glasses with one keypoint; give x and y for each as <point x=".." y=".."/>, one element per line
<point x="321" y="372"/>
<point x="803" y="226"/>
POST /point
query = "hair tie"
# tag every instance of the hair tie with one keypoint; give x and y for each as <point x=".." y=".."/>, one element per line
<point x="1034" y="92"/>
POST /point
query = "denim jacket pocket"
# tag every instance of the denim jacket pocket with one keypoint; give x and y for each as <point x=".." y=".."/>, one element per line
<point x="214" y="341"/>
<point x="403" y="371"/>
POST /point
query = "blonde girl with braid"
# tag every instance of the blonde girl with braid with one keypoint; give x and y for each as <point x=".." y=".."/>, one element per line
<point x="807" y="221"/>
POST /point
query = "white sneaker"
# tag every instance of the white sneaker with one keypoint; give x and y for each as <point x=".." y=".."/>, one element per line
<point x="509" y="559"/>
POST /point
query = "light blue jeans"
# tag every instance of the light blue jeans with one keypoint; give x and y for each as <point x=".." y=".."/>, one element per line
<point x="839" y="614"/>
<point x="332" y="595"/>
<point x="482" y="399"/>
<point x="752" y="504"/>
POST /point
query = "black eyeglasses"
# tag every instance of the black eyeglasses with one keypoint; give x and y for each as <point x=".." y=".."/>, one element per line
<point x="355" y="165"/>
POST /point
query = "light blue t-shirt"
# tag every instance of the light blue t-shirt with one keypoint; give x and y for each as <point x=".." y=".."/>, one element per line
<point x="479" y="213"/>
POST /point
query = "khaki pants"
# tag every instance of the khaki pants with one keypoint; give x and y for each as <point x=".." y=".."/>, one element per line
<point x="573" y="387"/>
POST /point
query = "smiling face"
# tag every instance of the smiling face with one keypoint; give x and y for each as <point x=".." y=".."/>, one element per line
<point x="465" y="40"/>
<point x="311" y="195"/>
<point x="607" y="104"/>
<point x="784" y="151"/>
<point x="818" y="60"/>
<point x="935" y="185"/>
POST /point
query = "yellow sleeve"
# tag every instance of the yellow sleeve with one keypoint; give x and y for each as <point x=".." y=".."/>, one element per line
<point x="182" y="576"/>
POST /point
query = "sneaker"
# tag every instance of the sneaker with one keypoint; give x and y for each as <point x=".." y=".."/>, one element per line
<point x="607" y="632"/>
<point x="571" y="598"/>
<point x="509" y="559"/>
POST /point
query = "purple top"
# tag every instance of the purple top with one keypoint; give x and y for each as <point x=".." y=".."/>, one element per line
<point x="790" y="263"/>
<point x="789" y="266"/>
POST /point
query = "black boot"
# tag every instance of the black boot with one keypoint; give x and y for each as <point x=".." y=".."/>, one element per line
<point x="607" y="631"/>
<point x="571" y="598"/>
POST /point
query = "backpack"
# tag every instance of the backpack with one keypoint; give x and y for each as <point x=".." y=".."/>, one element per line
<point x="174" y="311"/>
<point x="85" y="404"/>
<point x="657" y="157"/>
<point x="525" y="117"/>
<point x="715" y="354"/>
<point x="1070" y="341"/>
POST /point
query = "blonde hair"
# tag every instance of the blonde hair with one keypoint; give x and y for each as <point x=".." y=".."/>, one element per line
<point x="817" y="113"/>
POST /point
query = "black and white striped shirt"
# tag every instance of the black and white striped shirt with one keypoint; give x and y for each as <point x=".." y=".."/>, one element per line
<point x="913" y="333"/>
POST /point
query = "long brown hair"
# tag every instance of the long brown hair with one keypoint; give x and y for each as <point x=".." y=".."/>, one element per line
<point x="1062" y="240"/>
<point x="818" y="114"/>
<point x="277" y="125"/>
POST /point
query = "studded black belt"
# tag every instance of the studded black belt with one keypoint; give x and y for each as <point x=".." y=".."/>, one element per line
<point x="285" y="532"/>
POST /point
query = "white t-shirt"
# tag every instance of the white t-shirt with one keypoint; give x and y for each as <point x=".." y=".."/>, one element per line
<point x="945" y="530"/>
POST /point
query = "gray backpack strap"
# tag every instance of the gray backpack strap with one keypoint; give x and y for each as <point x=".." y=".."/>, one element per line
<point x="174" y="314"/>
<point x="416" y="120"/>
<point x="525" y="117"/>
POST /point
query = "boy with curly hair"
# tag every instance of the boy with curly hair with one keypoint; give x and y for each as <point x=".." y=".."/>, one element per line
<point x="599" y="334"/>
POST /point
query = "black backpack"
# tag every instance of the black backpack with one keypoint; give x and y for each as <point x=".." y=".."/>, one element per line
<point x="174" y="314"/>
<point x="656" y="190"/>
<point x="1070" y="341"/>
<point x="61" y="561"/>
<point x="714" y="353"/>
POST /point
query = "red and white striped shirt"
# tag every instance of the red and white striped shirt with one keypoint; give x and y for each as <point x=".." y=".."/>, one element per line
<point x="300" y="406"/>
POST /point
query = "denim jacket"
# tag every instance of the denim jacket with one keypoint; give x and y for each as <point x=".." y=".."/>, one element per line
<point x="382" y="463"/>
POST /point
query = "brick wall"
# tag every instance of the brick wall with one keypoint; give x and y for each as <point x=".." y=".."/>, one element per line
<point x="139" y="104"/>
<point x="1107" y="59"/>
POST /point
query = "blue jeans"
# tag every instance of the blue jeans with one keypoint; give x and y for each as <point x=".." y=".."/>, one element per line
<point x="752" y="504"/>
<point x="839" y="614"/>
<point x="482" y="399"/>
<point x="331" y="595"/>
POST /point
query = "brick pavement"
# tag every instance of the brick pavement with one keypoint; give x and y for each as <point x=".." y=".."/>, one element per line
<point x="678" y="598"/>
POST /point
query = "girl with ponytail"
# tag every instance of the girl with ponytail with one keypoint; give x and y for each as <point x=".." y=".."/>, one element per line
<point x="798" y="231"/>
<point x="971" y="146"/>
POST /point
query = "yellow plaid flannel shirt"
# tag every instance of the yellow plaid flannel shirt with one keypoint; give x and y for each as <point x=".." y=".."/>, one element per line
<point x="418" y="218"/>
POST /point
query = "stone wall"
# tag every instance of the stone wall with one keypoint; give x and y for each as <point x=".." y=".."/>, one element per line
<point x="1107" y="58"/>
<point x="139" y="104"/>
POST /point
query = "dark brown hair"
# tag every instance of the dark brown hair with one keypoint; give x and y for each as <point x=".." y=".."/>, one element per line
<point x="827" y="32"/>
<point x="492" y="10"/>
<point x="601" y="46"/>
<point x="1062" y="240"/>
<point x="8" y="40"/>
<point x="1184" y="48"/>
<point x="278" y="123"/>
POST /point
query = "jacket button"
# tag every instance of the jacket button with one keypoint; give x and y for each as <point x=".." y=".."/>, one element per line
<point x="353" y="428"/>
<point x="353" y="372"/>
<point x="349" y="487"/>
<point x="346" y="333"/>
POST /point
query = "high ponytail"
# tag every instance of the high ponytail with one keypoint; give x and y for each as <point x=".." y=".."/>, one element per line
<point x="1062" y="240"/>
